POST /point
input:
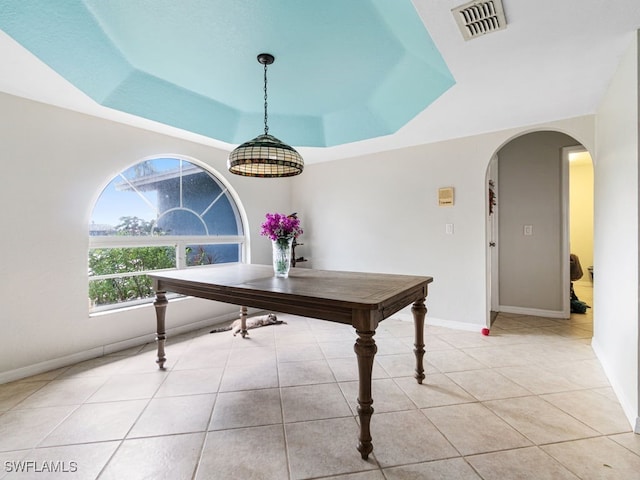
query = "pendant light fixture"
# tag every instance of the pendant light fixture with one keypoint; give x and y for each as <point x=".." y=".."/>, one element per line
<point x="265" y="155"/>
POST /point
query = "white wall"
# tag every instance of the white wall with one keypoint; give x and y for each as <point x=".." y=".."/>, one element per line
<point x="616" y="233"/>
<point x="380" y="213"/>
<point x="54" y="165"/>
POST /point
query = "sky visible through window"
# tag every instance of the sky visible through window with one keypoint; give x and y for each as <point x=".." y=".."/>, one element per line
<point x="114" y="205"/>
<point x="114" y="202"/>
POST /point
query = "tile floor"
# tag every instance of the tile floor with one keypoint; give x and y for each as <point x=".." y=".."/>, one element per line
<point x="528" y="401"/>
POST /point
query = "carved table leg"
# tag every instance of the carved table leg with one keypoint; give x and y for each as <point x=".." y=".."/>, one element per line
<point x="161" y="308"/>
<point x="419" y="312"/>
<point x="365" y="349"/>
<point x="243" y="322"/>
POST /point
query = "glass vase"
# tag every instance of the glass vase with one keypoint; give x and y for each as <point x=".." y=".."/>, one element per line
<point x="282" y="256"/>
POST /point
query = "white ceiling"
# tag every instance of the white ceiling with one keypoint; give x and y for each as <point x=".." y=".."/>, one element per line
<point x="553" y="61"/>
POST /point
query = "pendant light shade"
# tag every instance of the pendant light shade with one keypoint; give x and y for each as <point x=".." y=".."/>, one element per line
<point x="265" y="156"/>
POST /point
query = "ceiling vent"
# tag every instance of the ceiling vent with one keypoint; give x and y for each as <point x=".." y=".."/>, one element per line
<point x="479" y="18"/>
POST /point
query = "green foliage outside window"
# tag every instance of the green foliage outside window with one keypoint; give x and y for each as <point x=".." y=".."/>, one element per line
<point x="122" y="260"/>
<point x="107" y="261"/>
<point x="134" y="226"/>
<point x="200" y="256"/>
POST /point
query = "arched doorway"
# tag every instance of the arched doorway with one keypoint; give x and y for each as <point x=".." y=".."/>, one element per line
<point x="528" y="268"/>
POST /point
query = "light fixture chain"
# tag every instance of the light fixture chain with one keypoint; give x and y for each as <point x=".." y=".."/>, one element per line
<point x="266" y="127"/>
<point x="265" y="156"/>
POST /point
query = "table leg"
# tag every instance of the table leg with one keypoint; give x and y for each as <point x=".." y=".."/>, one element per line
<point x="161" y="308"/>
<point x="365" y="349"/>
<point x="243" y="322"/>
<point x="419" y="312"/>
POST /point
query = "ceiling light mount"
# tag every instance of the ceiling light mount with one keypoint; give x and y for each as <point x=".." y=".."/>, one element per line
<point x="266" y="58"/>
<point x="265" y="156"/>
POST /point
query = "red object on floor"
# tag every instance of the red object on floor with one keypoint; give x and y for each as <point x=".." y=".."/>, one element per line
<point x="485" y="331"/>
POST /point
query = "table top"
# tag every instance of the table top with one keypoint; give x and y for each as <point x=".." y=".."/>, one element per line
<point x="329" y="295"/>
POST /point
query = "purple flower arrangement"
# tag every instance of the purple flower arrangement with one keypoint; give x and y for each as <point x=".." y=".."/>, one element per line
<point x="278" y="226"/>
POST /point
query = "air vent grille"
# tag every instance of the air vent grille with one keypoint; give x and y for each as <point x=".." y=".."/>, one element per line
<point x="479" y="18"/>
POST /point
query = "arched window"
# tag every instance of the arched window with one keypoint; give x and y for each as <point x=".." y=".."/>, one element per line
<point x="161" y="213"/>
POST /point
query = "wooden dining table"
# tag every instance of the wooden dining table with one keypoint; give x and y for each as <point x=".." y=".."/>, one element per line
<point x="359" y="299"/>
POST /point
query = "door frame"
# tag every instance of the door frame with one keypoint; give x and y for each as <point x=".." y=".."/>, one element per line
<point x="492" y="252"/>
<point x="566" y="204"/>
<point x="566" y="223"/>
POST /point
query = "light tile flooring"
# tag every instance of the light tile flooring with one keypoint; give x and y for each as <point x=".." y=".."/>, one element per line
<point x="528" y="401"/>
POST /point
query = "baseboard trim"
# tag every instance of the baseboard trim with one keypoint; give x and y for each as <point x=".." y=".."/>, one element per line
<point x="107" y="349"/>
<point x="470" y="327"/>
<point x="535" y="312"/>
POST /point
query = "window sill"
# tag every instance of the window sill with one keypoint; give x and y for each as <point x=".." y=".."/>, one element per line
<point x="135" y="305"/>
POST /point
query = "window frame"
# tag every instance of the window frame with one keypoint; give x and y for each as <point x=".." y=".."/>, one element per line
<point x="179" y="242"/>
